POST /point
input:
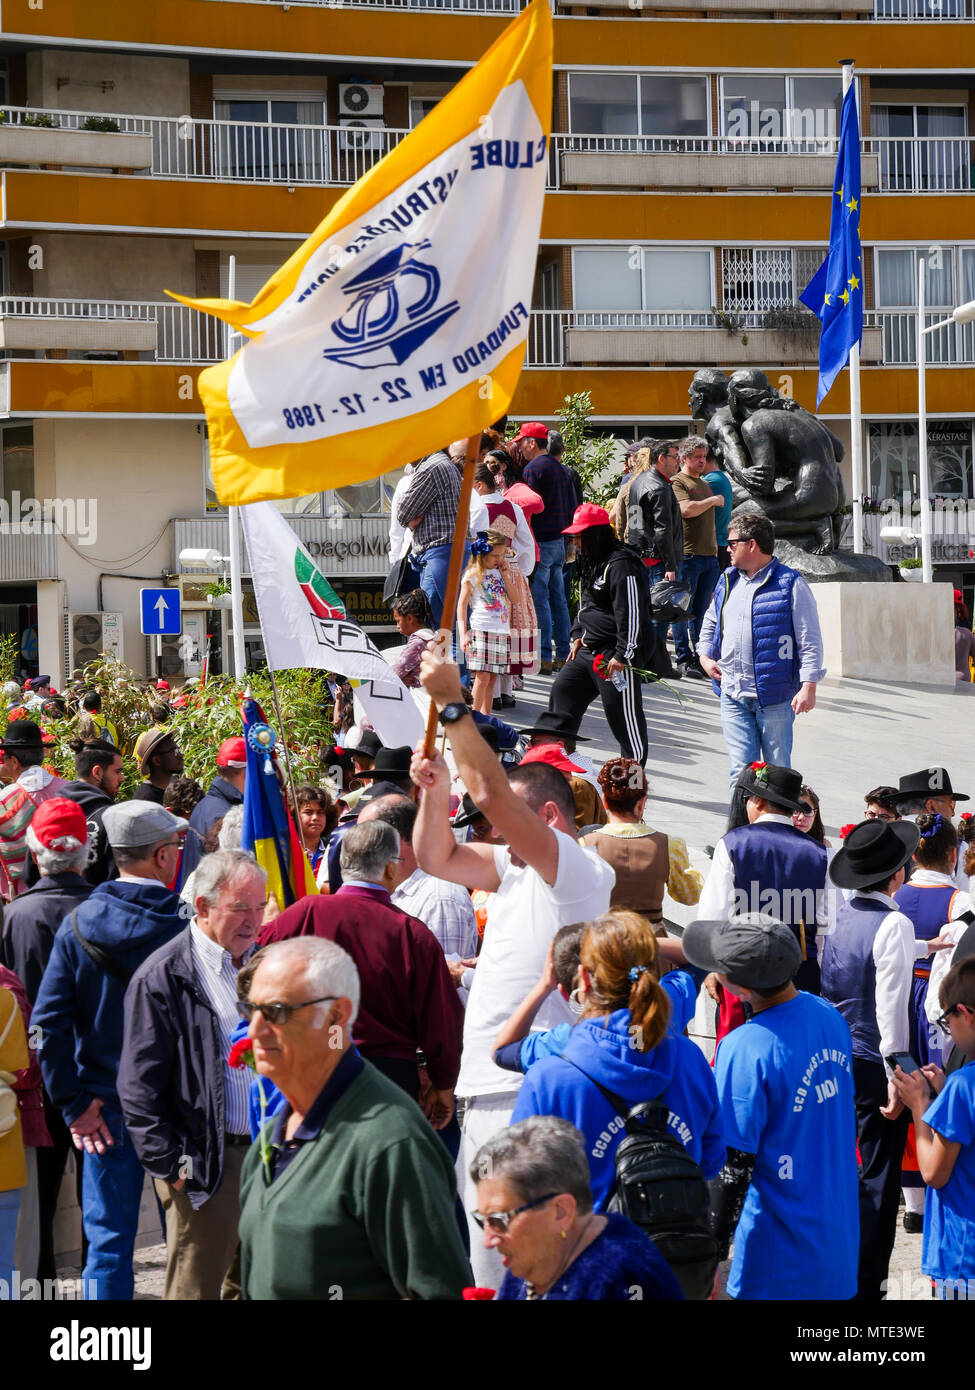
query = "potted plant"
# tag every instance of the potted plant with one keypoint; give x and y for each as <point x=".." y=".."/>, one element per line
<point x="104" y="123"/>
<point x="911" y="569"/>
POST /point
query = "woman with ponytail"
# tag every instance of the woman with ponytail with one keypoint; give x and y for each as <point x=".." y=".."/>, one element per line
<point x="623" y="1045"/>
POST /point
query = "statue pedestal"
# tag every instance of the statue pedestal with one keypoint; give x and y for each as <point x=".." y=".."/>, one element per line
<point x="902" y="633"/>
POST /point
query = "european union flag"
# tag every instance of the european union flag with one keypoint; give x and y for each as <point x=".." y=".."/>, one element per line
<point x="835" y="293"/>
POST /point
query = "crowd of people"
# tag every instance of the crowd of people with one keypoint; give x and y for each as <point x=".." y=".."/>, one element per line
<point x="479" y="1062"/>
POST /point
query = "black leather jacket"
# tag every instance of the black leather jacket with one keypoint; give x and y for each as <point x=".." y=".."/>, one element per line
<point x="656" y="528"/>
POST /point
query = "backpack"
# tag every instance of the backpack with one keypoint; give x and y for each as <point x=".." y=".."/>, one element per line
<point x="661" y="1189"/>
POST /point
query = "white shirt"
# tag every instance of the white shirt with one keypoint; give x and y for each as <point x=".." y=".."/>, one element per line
<point x="522" y="543"/>
<point x="217" y="975"/>
<point x="523" y="916"/>
<point x="445" y="908"/>
<point x="721" y="897"/>
<point x="400" y="536"/>
<point x="893" y="959"/>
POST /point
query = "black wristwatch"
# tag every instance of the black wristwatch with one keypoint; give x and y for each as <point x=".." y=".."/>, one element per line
<point x="452" y="712"/>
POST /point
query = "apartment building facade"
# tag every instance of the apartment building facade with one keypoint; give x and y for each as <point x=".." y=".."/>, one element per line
<point x="690" y="172"/>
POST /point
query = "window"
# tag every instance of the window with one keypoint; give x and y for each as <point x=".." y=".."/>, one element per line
<point x="892" y="451"/>
<point x="661" y="279"/>
<point x="949" y="280"/>
<point x="758" y="278"/>
<point x="16" y="464"/>
<point x="797" y="114"/>
<point x="281" y="141"/>
<point x="638" y="104"/>
<point x="922" y="147"/>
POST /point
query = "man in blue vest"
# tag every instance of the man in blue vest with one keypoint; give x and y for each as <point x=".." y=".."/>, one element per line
<point x="760" y="643"/>
<point x="769" y="866"/>
<point x="868" y="970"/>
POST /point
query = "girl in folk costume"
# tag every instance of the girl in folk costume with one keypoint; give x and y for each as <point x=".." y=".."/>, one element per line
<point x="484" y="591"/>
<point x="524" y="656"/>
<point x="931" y="900"/>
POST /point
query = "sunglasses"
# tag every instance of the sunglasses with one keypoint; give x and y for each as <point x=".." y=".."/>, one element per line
<point x="499" y="1221"/>
<point x="735" y="540"/>
<point x="804" y="810"/>
<point x="943" y="1020"/>
<point x="277" y="1013"/>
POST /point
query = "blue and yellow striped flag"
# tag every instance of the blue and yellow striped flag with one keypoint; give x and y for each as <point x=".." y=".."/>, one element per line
<point x="401" y="323"/>
<point x="269" y="832"/>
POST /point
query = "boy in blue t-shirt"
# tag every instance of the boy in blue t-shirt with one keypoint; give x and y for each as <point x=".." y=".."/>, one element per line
<point x="944" y="1130"/>
<point x="788" y="1192"/>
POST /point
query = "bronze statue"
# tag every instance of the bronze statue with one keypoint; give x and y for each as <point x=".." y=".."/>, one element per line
<point x="780" y="459"/>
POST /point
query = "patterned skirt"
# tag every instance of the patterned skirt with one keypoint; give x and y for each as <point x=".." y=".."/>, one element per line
<point x="489" y="651"/>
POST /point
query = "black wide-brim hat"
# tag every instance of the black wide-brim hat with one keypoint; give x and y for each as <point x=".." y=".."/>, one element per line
<point x="468" y="813"/>
<point x="389" y="762"/>
<point x="930" y="781"/>
<point x="558" y="724"/>
<point x="781" y="786"/>
<point x="873" y="851"/>
<point x="21" y="734"/>
<point x="368" y="746"/>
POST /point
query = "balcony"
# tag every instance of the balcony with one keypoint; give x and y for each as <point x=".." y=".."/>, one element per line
<point x="912" y="10"/>
<point x="173" y="333"/>
<point x="179" y="147"/>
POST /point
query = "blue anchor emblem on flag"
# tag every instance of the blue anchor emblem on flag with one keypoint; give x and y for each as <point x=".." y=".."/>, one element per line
<point x="382" y="327"/>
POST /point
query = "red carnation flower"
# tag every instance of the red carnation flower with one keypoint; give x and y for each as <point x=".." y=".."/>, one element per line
<point x="757" y="767"/>
<point x="472" y="1295"/>
<point x="242" y="1054"/>
<point x="966" y="815"/>
<point x="845" y="830"/>
<point x="599" y="667"/>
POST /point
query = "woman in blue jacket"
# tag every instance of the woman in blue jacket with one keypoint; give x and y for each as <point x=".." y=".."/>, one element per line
<point x="622" y="1042"/>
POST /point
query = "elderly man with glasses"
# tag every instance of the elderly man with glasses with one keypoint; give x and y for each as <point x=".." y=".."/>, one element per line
<point x="761" y="645"/>
<point x="185" y="1108"/>
<point x="78" y="1021"/>
<point x="349" y="1194"/>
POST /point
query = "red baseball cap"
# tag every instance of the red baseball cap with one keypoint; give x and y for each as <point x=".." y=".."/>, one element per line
<point x="56" y="819"/>
<point x="162" y="685"/>
<point x="232" y="753"/>
<point x="585" y="516"/>
<point x="533" y="429"/>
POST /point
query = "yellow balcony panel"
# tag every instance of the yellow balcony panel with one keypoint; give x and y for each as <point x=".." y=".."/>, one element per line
<point x="44" y="199"/>
<point x="636" y="395"/>
<point x="691" y="170"/>
<point x="103" y="388"/>
<point x="303" y="30"/>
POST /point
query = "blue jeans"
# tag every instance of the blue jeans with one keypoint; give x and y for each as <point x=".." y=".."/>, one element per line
<point x="9" y="1210"/>
<point x="548" y="596"/>
<point x="111" y="1190"/>
<point x="753" y="732"/>
<point x="700" y="574"/>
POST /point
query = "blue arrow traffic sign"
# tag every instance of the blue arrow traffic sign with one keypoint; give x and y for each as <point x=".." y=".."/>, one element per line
<point x="161" y="616"/>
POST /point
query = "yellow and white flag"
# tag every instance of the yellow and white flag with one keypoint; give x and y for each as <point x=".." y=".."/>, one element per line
<point x="401" y="322"/>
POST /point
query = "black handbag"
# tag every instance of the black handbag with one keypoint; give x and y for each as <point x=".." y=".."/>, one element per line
<point x="402" y="578"/>
<point x="671" y="601"/>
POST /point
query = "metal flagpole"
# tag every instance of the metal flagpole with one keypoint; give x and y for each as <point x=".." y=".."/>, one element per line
<point x="922" y="429"/>
<point x="453" y="572"/>
<point x="233" y="519"/>
<point x="856" y="423"/>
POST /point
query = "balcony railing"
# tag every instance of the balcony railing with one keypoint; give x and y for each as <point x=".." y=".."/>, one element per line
<point x="185" y="335"/>
<point x="256" y="152"/>
<point x="882" y="9"/>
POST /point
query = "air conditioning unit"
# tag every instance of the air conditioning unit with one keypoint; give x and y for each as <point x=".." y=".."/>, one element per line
<point x="361" y="135"/>
<point x="360" y="99"/>
<point x="88" y="636"/>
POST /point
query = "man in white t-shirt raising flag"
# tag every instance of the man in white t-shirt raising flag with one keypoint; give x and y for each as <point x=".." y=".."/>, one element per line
<point x="542" y="879"/>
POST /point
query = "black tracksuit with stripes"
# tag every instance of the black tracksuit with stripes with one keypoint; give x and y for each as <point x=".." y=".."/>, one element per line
<point x="614" y="620"/>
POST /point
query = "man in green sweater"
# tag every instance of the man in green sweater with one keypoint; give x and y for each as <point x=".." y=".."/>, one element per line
<point x="353" y="1195"/>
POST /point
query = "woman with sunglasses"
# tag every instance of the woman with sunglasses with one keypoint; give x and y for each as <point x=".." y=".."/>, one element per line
<point x="536" y="1209"/>
<point x="808" y="819"/>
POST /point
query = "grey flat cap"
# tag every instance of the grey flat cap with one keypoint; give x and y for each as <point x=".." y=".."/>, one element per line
<point x="132" y="824"/>
<point x="753" y="949"/>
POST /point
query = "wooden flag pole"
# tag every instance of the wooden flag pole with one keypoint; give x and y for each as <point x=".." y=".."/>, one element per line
<point x="449" y="614"/>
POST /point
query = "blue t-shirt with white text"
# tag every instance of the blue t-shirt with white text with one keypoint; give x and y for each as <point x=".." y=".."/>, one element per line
<point x="785" y="1086"/>
<point x="948" y="1251"/>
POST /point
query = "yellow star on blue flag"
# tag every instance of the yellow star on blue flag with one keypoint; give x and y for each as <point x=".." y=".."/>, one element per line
<point x="827" y="295"/>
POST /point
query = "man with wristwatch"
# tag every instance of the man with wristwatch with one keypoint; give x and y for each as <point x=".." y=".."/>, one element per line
<point x="541" y="879"/>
